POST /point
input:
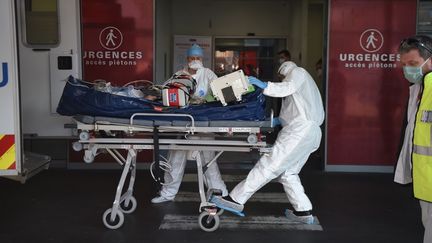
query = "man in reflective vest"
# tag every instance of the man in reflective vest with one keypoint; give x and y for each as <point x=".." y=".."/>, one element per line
<point x="416" y="153"/>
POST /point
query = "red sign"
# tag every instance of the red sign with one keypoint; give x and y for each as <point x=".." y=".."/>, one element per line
<point x="367" y="93"/>
<point x="117" y="40"/>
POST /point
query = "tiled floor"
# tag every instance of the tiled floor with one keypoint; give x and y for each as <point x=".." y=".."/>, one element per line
<point x="67" y="206"/>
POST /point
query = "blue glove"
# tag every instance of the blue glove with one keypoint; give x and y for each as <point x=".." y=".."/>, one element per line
<point x="276" y="121"/>
<point x="257" y="82"/>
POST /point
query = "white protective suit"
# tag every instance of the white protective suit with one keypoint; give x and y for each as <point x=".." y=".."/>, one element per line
<point x="177" y="158"/>
<point x="301" y="115"/>
<point x="403" y="172"/>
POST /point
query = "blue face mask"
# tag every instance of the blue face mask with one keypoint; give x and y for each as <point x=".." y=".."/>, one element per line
<point x="414" y="74"/>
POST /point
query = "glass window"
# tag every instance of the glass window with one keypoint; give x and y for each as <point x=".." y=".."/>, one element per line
<point x="424" y="20"/>
<point x="41" y="22"/>
<point x="255" y="56"/>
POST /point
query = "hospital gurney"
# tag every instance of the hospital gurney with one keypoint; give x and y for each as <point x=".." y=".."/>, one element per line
<point x="150" y="131"/>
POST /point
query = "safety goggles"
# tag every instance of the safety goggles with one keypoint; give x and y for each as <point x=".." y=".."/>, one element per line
<point x="416" y="42"/>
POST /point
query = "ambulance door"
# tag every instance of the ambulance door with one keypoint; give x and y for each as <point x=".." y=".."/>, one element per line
<point x="9" y="103"/>
<point x="49" y="41"/>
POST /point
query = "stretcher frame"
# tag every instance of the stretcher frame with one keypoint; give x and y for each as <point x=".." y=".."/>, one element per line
<point x="113" y="218"/>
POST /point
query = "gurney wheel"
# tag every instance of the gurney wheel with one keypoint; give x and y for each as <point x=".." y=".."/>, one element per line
<point x="206" y="224"/>
<point x="76" y="146"/>
<point x="84" y="135"/>
<point x="88" y="158"/>
<point x="130" y="207"/>
<point x="252" y="138"/>
<point x="118" y="221"/>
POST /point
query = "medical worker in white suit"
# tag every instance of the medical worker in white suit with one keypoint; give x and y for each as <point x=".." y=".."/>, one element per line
<point x="178" y="158"/>
<point x="301" y="115"/>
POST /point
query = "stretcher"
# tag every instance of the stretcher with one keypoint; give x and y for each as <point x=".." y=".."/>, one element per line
<point x="150" y="131"/>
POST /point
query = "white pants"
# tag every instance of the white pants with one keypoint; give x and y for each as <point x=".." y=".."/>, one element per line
<point x="426" y="210"/>
<point x="289" y="153"/>
<point x="177" y="160"/>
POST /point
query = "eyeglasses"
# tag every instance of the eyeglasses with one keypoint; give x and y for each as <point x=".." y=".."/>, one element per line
<point x="418" y="43"/>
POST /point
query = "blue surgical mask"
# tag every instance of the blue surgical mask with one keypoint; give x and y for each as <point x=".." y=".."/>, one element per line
<point x="414" y="74"/>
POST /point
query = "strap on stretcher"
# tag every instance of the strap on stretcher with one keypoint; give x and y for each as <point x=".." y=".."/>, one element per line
<point x="156" y="155"/>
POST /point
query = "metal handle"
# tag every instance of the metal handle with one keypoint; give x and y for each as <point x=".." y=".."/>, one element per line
<point x="163" y="115"/>
<point x="271" y="118"/>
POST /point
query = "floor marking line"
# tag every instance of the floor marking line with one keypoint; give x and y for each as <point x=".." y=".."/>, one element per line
<point x="271" y="197"/>
<point x="190" y="222"/>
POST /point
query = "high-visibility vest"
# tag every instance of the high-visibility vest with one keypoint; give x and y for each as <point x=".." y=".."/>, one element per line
<point x="422" y="144"/>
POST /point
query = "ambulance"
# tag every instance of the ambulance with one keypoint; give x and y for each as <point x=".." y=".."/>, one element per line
<point x="35" y="58"/>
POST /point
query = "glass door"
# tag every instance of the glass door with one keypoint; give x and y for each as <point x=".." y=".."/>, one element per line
<point x="256" y="56"/>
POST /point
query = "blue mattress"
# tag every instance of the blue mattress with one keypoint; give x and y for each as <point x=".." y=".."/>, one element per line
<point x="79" y="98"/>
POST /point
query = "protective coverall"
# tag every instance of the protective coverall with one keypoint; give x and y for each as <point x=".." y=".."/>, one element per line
<point x="177" y="158"/>
<point x="301" y="115"/>
<point x="403" y="172"/>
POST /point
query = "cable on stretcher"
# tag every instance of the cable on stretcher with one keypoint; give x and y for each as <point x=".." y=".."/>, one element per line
<point x="109" y="120"/>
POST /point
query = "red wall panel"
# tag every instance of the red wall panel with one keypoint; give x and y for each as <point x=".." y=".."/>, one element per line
<point x="117" y="40"/>
<point x="367" y="93"/>
<point x="125" y="56"/>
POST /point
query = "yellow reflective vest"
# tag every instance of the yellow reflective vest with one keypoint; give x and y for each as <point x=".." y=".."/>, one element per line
<point x="422" y="144"/>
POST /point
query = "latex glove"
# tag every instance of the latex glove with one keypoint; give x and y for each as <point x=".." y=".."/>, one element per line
<point x="276" y="121"/>
<point x="257" y="82"/>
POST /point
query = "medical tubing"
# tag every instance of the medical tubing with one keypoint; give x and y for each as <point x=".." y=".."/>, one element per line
<point x="162" y="164"/>
<point x="151" y="86"/>
<point x="95" y="82"/>
<point x="183" y="77"/>
<point x="138" y="81"/>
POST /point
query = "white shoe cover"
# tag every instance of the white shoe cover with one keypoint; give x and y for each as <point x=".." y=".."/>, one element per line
<point x="160" y="199"/>
<point x="307" y="219"/>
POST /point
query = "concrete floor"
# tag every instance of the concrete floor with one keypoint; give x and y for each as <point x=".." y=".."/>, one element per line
<point x="67" y="206"/>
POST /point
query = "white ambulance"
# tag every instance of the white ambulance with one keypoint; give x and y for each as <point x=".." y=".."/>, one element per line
<point x="34" y="64"/>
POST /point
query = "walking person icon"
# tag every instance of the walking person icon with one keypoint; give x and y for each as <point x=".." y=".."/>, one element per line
<point x="109" y="37"/>
<point x="371" y="40"/>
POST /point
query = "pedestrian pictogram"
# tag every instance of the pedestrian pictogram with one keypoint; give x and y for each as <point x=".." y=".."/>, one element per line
<point x="111" y="38"/>
<point x="371" y="40"/>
